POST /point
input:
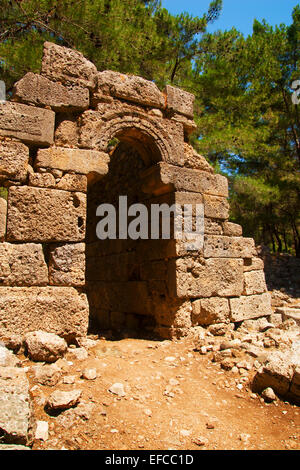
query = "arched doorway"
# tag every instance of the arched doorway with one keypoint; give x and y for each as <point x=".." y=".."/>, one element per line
<point x="128" y="279"/>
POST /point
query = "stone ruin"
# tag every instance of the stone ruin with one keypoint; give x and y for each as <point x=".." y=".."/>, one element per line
<point x="73" y="138"/>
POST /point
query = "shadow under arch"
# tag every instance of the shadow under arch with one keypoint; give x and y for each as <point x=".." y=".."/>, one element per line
<point x="127" y="280"/>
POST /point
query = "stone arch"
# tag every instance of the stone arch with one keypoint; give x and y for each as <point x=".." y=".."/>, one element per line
<point x="163" y="139"/>
<point x="54" y="143"/>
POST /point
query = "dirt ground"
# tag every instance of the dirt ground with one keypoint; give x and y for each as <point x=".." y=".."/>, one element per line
<point x="175" y="399"/>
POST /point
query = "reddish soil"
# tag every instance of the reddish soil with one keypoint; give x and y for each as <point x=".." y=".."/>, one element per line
<point x="201" y="396"/>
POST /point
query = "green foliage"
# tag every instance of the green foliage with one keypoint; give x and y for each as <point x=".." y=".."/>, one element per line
<point x="131" y="36"/>
<point x="3" y="193"/>
<point x="249" y="127"/>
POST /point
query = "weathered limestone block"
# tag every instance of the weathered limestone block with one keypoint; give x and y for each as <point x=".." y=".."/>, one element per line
<point x="156" y="249"/>
<point x="253" y="264"/>
<point x="255" y="283"/>
<point x="295" y="385"/>
<point x="16" y="414"/>
<point x="195" y="161"/>
<point x="3" y="215"/>
<point x="131" y="88"/>
<point x="22" y="265"/>
<point x="290" y="313"/>
<point x="228" y="247"/>
<point x="173" y="313"/>
<point x="111" y="267"/>
<point x="67" y="182"/>
<point x="232" y="230"/>
<point x="77" y="160"/>
<point x="127" y="297"/>
<point x="163" y="178"/>
<point x="11" y="447"/>
<point x="68" y="66"/>
<point x="154" y="271"/>
<point x="14" y="158"/>
<point x="7" y="357"/>
<point x="277" y="373"/>
<point x="63" y="400"/>
<point x="180" y="101"/>
<point x="42" y="180"/>
<point x="67" y="265"/>
<point x="45" y="215"/>
<point x="211" y="311"/>
<point x="70" y="182"/>
<point x="197" y="277"/>
<point x="67" y="131"/>
<point x="254" y="306"/>
<point x="216" y="207"/>
<point x="45" y="347"/>
<point x="189" y="125"/>
<point x="48" y="374"/>
<point x="212" y="227"/>
<point x="32" y="125"/>
<point x="59" y="310"/>
<point x="177" y="198"/>
<point x="39" y="91"/>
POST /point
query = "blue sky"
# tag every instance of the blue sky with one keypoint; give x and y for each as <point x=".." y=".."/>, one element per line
<point x="238" y="13"/>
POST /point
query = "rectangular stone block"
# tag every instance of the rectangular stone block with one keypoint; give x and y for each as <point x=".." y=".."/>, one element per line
<point x="254" y="306"/>
<point x="295" y="385"/>
<point x="3" y="215"/>
<point x="163" y="178"/>
<point x="124" y="297"/>
<point x="228" y="247"/>
<point x="188" y="124"/>
<point x="232" y="230"/>
<point x="156" y="249"/>
<point x="45" y="215"/>
<point x="195" y="161"/>
<point x="253" y="264"/>
<point x="216" y="207"/>
<point x="131" y="88"/>
<point x="16" y="413"/>
<point x="180" y="101"/>
<point x="59" y="310"/>
<point x="277" y="373"/>
<point x="109" y="268"/>
<point x="71" y="182"/>
<point x="14" y="158"/>
<point x="22" y="265"/>
<point x="196" y="181"/>
<point x="180" y="197"/>
<point x="211" y="311"/>
<point x="212" y="227"/>
<point x="197" y="277"/>
<point x="155" y="271"/>
<point x="68" y="66"/>
<point x="255" y="283"/>
<point x="78" y="160"/>
<point x="32" y="125"/>
<point x="39" y="91"/>
<point x="67" y="132"/>
<point x="67" y="265"/>
<point x="173" y="313"/>
<point x="42" y="180"/>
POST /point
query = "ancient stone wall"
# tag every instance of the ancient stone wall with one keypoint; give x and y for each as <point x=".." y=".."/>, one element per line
<point x="73" y="138"/>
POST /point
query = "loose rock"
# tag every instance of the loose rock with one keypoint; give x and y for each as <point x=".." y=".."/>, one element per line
<point x="45" y="347"/>
<point x="60" y="400"/>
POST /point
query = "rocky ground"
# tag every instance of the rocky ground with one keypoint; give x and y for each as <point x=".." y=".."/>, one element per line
<point x="222" y="388"/>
